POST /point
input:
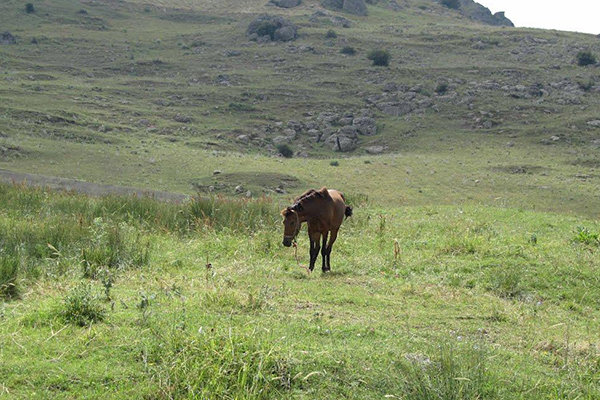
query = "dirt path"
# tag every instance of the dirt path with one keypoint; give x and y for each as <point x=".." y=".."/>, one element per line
<point x="92" y="189"/>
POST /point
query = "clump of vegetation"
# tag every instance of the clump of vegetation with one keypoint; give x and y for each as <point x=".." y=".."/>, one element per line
<point x="453" y="4"/>
<point x="331" y="34"/>
<point x="380" y="58"/>
<point x="82" y="307"/>
<point x="29" y="8"/>
<point x="285" y="150"/>
<point x="9" y="269"/>
<point x="585" y="236"/>
<point x="441" y="88"/>
<point x="266" y="28"/>
<point x="334" y="163"/>
<point x="348" y="50"/>
<point x="585" y="58"/>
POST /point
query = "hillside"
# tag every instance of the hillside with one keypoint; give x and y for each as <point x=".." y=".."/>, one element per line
<point x="469" y="269"/>
<point x="159" y="95"/>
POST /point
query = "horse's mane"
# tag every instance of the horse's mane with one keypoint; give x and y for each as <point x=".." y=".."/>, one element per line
<point x="311" y="195"/>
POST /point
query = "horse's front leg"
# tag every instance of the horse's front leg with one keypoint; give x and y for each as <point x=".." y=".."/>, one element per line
<point x="315" y="246"/>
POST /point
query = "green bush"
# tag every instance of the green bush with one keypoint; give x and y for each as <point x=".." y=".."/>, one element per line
<point x="453" y="4"/>
<point x="585" y="58"/>
<point x="441" y="88"/>
<point x="82" y="307"/>
<point x="331" y="34"/>
<point x="380" y="58"/>
<point x="266" y="28"/>
<point x="29" y="9"/>
<point x="285" y="150"/>
<point x="9" y="269"/>
<point x="334" y="163"/>
<point x="348" y="50"/>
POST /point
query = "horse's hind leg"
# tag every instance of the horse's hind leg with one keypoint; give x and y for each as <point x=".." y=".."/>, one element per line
<point x="329" y="246"/>
<point x="324" y="252"/>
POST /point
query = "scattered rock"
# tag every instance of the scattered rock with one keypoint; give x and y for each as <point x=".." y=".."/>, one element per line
<point x="365" y="126"/>
<point x="286" y="3"/>
<point x="595" y="123"/>
<point x="239" y="189"/>
<point x="7" y="38"/>
<point x="243" y="139"/>
<point x="217" y="172"/>
<point x="356" y="7"/>
<point x="268" y="28"/>
<point x="232" y="53"/>
<point x="184" y="119"/>
<point x="375" y="149"/>
<point x="248" y="194"/>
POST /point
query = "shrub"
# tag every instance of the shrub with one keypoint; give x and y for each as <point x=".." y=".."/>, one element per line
<point x="453" y="4"/>
<point x="441" y="88"/>
<point x="29" y="9"/>
<point x="380" y="58"/>
<point x="266" y="28"/>
<point x="585" y="58"/>
<point x="331" y="34"/>
<point x="82" y="307"/>
<point x="285" y="150"/>
<point x="348" y="50"/>
<point x="585" y="236"/>
<point x="9" y="268"/>
<point x="334" y="163"/>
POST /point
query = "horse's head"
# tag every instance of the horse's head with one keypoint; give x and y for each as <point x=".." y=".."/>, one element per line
<point x="291" y="224"/>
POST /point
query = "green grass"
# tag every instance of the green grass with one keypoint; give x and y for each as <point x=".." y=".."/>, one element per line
<point x="469" y="307"/>
<point x="469" y="269"/>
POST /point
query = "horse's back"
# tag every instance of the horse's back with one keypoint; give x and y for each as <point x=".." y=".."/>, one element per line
<point x="339" y="206"/>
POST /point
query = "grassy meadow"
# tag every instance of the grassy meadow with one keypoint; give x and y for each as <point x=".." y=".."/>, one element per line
<point x="469" y="270"/>
<point x="111" y="298"/>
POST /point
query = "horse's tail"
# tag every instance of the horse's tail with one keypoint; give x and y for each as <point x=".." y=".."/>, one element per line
<point x="348" y="212"/>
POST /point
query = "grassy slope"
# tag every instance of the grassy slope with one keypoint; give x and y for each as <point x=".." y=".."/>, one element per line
<point x="472" y="305"/>
<point x="104" y="71"/>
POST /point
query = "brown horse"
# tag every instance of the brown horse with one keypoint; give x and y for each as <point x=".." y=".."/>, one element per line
<point x="323" y="210"/>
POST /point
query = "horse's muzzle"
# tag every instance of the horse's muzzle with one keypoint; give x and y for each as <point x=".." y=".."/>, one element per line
<point x="287" y="242"/>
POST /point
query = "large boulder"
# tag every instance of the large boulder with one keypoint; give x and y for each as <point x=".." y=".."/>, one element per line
<point x="482" y="14"/>
<point x="356" y="7"/>
<point x="271" y="28"/>
<point x="341" y="143"/>
<point x="7" y="38"/>
<point x="286" y="3"/>
<point x="365" y="126"/>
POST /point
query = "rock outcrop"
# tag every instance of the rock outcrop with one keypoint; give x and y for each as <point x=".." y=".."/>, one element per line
<point x="268" y="28"/>
<point x="356" y="7"/>
<point x="482" y="14"/>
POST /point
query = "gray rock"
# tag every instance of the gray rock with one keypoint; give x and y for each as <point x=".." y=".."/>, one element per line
<point x="345" y="121"/>
<point x="243" y="139"/>
<point x="184" y="119"/>
<point x="356" y="7"/>
<point x="375" y="149"/>
<point x="348" y="131"/>
<point x="595" y="123"/>
<point x="233" y="53"/>
<point x="365" y="126"/>
<point x="239" y="189"/>
<point x="341" y="143"/>
<point x="286" y="3"/>
<point x="248" y="194"/>
<point x="396" y="109"/>
<point x="340" y="21"/>
<point x="7" y="38"/>
<point x="217" y="172"/>
<point x="271" y="27"/>
<point x="482" y="14"/>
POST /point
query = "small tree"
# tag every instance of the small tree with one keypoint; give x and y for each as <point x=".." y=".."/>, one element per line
<point x="285" y="150"/>
<point x="380" y="58"/>
<point x="585" y="58"/>
<point x="29" y="9"/>
<point x="348" y="50"/>
<point x="331" y="34"/>
<point x="453" y="4"/>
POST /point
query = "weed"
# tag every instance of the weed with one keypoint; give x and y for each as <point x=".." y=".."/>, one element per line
<point x="285" y="150"/>
<point x="380" y="58"/>
<point x="331" y="34"/>
<point x="29" y="8"/>
<point x="82" y="307"/>
<point x="348" y="50"/>
<point x="334" y="163"/>
<point x="9" y="271"/>
<point x="441" y="88"/>
<point x="585" y="236"/>
<point x="585" y="58"/>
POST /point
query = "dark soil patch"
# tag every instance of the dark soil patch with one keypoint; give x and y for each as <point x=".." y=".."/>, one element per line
<point x="519" y="169"/>
<point x="261" y="181"/>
